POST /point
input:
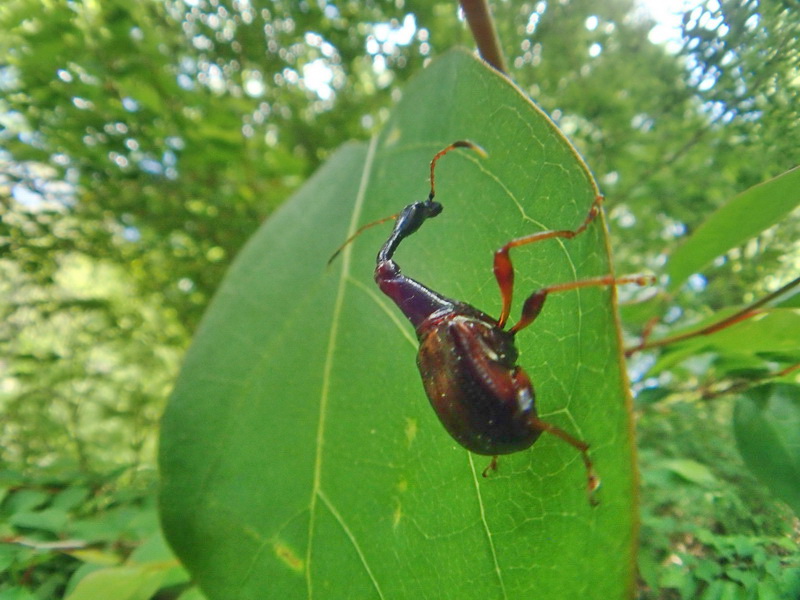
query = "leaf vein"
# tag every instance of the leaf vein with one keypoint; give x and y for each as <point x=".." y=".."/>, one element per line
<point x="489" y="538"/>
<point x="348" y="532"/>
<point x="327" y="368"/>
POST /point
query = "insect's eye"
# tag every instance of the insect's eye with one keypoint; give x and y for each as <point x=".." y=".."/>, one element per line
<point x="435" y="209"/>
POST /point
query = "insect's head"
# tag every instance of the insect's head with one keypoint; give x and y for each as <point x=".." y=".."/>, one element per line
<point x="422" y="210"/>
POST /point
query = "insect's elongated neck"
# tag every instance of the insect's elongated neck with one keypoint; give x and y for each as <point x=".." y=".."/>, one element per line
<point x="417" y="301"/>
<point x="410" y="219"/>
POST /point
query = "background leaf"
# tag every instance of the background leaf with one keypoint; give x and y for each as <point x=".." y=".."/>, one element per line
<point x="747" y="215"/>
<point x="767" y="427"/>
<point x="124" y="583"/>
<point x="299" y="454"/>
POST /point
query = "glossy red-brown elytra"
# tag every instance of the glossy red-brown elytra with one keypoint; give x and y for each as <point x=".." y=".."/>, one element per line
<point x="467" y="359"/>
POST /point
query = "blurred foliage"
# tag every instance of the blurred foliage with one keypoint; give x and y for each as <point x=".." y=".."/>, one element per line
<point x="706" y="524"/>
<point x="84" y="538"/>
<point x="142" y="143"/>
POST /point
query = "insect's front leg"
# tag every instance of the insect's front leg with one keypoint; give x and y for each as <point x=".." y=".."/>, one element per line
<point x="504" y="270"/>
<point x="533" y="304"/>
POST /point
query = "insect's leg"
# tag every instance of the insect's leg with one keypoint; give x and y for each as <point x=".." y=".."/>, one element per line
<point x="504" y="270"/>
<point x="492" y="466"/>
<point x="533" y="305"/>
<point x="592" y="482"/>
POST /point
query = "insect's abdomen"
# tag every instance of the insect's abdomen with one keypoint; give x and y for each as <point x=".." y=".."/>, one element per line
<point x="483" y="399"/>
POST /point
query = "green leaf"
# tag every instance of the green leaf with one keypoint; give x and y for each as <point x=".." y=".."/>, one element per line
<point x="121" y="583"/>
<point x="70" y="498"/>
<point x="25" y="500"/>
<point x="723" y="590"/>
<point x="192" y="594"/>
<point x="745" y="216"/>
<point x="693" y="471"/>
<point x="299" y="454"/>
<point x="154" y="550"/>
<point x="16" y="593"/>
<point x="767" y="427"/>
<point x="49" y="519"/>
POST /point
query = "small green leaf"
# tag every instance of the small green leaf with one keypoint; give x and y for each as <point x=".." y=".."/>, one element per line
<point x="707" y="570"/>
<point x="7" y="555"/>
<point x="723" y="590"/>
<point x="120" y="583"/>
<point x="154" y="550"/>
<point x="193" y="593"/>
<point x="679" y="578"/>
<point x="745" y="216"/>
<point x="70" y="497"/>
<point x="49" y="519"/>
<point x="767" y="427"/>
<point x="95" y="557"/>
<point x="25" y="500"/>
<point x="747" y="579"/>
<point x="693" y="471"/>
<point x="16" y="593"/>
<point x="769" y="590"/>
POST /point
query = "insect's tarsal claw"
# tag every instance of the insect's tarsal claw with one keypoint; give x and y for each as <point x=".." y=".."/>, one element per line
<point x="492" y="466"/>
<point x="472" y="146"/>
<point x="593" y="485"/>
<point x="332" y="258"/>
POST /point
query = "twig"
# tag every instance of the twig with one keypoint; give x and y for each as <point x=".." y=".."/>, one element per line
<point x="748" y="311"/>
<point x="744" y="385"/>
<point x="483" y="30"/>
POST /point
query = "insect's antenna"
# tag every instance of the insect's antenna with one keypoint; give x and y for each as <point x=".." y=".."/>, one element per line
<point x="453" y="146"/>
<point x="358" y="232"/>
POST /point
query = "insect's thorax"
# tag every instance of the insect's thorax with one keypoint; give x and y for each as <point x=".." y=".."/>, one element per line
<point x="496" y="344"/>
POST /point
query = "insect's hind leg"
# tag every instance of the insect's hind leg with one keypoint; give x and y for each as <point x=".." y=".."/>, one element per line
<point x="492" y="466"/>
<point x="592" y="481"/>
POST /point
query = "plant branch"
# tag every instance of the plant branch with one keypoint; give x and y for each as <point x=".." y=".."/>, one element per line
<point x="744" y="385"/>
<point x="745" y="313"/>
<point x="481" y="23"/>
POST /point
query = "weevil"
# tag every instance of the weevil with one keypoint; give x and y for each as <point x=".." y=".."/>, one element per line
<point x="467" y="359"/>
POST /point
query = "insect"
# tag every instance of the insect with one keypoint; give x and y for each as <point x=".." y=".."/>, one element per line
<point x="467" y="359"/>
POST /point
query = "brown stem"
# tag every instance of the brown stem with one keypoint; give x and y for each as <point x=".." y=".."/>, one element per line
<point x="748" y="311"/>
<point x="483" y="30"/>
<point x="741" y="386"/>
<point x="787" y="370"/>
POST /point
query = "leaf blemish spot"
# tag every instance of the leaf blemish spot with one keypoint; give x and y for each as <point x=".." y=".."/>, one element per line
<point x="411" y="430"/>
<point x="397" y="515"/>
<point x="288" y="556"/>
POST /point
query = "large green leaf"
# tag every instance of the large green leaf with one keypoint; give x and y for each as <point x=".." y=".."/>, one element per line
<point x="300" y="457"/>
